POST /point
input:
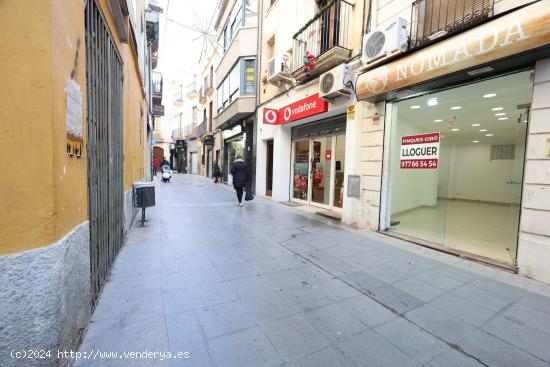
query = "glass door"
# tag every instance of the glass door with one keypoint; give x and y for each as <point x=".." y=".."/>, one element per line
<point x="301" y="169"/>
<point x="321" y="170"/>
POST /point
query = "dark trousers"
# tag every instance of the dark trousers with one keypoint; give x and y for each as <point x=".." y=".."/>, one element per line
<point x="239" y="190"/>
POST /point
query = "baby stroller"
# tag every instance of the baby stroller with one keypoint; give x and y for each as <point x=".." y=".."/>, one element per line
<point x="166" y="173"/>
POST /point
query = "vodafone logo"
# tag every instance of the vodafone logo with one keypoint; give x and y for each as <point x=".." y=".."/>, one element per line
<point x="287" y="113"/>
<point x="271" y="116"/>
<point x="308" y="106"/>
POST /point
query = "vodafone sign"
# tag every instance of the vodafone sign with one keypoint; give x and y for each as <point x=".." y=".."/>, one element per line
<point x="271" y="116"/>
<point x="306" y="107"/>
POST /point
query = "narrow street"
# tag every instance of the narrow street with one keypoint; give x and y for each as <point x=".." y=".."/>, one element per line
<point x="268" y="285"/>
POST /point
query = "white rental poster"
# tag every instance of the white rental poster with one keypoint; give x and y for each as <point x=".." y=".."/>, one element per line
<point x="420" y="151"/>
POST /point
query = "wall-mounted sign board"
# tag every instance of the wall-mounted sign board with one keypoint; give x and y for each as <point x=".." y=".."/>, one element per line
<point x="419" y="151"/>
<point x="520" y="31"/>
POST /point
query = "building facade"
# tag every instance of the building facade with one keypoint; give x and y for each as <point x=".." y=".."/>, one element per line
<point x="234" y="66"/>
<point x="83" y="118"/>
<point x="438" y="140"/>
<point x="309" y="51"/>
<point x="452" y="152"/>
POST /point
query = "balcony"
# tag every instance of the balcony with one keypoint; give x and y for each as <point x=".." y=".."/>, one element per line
<point x="156" y="92"/>
<point x="432" y="19"/>
<point x="202" y="97"/>
<point x="202" y="129"/>
<point x="239" y="109"/>
<point x="208" y="86"/>
<point x="191" y="91"/>
<point x="327" y="36"/>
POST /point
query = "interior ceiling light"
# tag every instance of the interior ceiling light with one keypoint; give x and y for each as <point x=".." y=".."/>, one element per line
<point x="438" y="120"/>
<point x="456" y="129"/>
<point x="482" y="130"/>
<point x="456" y="107"/>
<point x="415" y="107"/>
<point x="524" y="120"/>
<point x="489" y="134"/>
<point x="500" y="114"/>
<point x="432" y="101"/>
<point x="503" y="118"/>
<point x="489" y="95"/>
<point x="498" y="109"/>
<point x="475" y="141"/>
<point x="476" y="124"/>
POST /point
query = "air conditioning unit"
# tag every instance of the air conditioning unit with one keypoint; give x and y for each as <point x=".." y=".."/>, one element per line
<point x="336" y="82"/>
<point x="385" y="41"/>
<point x="278" y="67"/>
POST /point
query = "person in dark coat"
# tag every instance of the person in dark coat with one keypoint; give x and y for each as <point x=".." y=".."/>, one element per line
<point x="217" y="172"/>
<point x="239" y="170"/>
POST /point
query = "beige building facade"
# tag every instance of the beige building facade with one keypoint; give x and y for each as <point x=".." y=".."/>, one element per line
<point x="477" y="87"/>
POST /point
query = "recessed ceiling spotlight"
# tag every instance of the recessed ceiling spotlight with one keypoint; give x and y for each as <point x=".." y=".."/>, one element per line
<point x="476" y="124"/>
<point x="503" y="118"/>
<point x="489" y="95"/>
<point x="456" y="108"/>
<point x="432" y="101"/>
<point x="415" y="107"/>
<point x="489" y="134"/>
<point x="500" y="114"/>
<point x="482" y="130"/>
<point x="497" y="109"/>
<point x="524" y="120"/>
<point x="438" y="120"/>
<point x="475" y="141"/>
<point x="456" y="129"/>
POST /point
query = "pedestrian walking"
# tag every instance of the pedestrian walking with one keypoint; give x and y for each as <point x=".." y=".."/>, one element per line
<point x="240" y="177"/>
<point x="217" y="172"/>
<point x="155" y="166"/>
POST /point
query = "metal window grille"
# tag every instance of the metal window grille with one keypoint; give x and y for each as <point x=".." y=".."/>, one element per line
<point x="104" y="145"/>
<point x="503" y="151"/>
<point x="433" y="18"/>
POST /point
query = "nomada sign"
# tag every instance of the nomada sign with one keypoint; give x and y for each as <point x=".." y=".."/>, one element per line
<point x="303" y="108"/>
<point x="509" y="35"/>
<point x="420" y="151"/>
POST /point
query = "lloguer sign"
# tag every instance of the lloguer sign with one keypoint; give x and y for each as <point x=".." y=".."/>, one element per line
<point x="519" y="31"/>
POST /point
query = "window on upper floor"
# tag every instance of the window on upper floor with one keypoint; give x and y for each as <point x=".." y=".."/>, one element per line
<point x="240" y="81"/>
<point x="241" y="10"/>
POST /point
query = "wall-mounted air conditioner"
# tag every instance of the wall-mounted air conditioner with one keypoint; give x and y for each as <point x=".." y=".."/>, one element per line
<point x="278" y="67"/>
<point x="385" y="41"/>
<point x="336" y="82"/>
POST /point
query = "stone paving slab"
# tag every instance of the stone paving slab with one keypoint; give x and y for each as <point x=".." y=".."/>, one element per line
<point x="269" y="285"/>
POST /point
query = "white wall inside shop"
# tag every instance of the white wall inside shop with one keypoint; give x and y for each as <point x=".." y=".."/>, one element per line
<point x="473" y="160"/>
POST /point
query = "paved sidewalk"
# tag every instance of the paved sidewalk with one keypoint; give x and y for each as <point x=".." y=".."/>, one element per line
<point x="264" y="285"/>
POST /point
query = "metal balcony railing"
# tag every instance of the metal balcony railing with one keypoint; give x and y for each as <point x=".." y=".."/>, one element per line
<point x="156" y="83"/>
<point x="202" y="128"/>
<point x="431" y="19"/>
<point x="190" y="131"/>
<point x="331" y="27"/>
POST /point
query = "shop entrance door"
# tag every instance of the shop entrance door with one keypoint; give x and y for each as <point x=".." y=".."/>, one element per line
<point x="318" y="171"/>
<point x="269" y="168"/>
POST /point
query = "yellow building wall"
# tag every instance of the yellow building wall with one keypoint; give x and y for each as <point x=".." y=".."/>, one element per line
<point x="43" y="192"/>
<point x="27" y="202"/>
<point x="68" y="57"/>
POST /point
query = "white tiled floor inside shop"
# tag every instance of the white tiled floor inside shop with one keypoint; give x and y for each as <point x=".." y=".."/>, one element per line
<point x="479" y="228"/>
